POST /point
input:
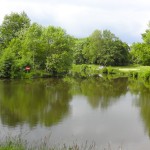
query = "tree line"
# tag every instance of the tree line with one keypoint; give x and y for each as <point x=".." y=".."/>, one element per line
<point x="51" y="49"/>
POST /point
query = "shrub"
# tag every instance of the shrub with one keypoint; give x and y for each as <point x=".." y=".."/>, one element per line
<point x="105" y="70"/>
<point x="146" y="75"/>
<point x="112" y="71"/>
<point x="131" y="74"/>
<point x="136" y="74"/>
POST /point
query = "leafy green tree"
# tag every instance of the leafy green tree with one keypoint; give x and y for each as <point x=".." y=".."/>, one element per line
<point x="115" y="53"/>
<point x="32" y="46"/>
<point x="12" y="57"/>
<point x="10" y="45"/>
<point x="146" y="35"/>
<point x="107" y="35"/>
<point x="25" y="50"/>
<point x="136" y="53"/>
<point x="11" y="26"/>
<point x="58" y="49"/>
<point x="140" y="52"/>
<point x="7" y="63"/>
<point x="78" y="56"/>
<point x="93" y="47"/>
<point x="146" y="55"/>
<point x="41" y="48"/>
<point x="104" y="48"/>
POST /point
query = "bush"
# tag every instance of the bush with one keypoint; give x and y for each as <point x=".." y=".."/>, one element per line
<point x="136" y="74"/>
<point x="105" y="70"/>
<point x="84" y="68"/>
<point x="146" y="75"/>
<point x="112" y="71"/>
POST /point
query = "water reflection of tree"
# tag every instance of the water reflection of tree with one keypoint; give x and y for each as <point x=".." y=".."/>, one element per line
<point x="101" y="92"/>
<point x="143" y="101"/>
<point x="34" y="101"/>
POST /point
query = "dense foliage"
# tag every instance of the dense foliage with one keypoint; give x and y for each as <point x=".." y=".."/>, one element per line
<point x="52" y="50"/>
<point x="102" y="47"/>
<point x="40" y="48"/>
<point x="140" y="52"/>
<point x="12" y="25"/>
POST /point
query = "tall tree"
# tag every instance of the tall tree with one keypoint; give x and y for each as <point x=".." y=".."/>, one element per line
<point x="58" y="50"/>
<point x="140" y="52"/>
<point x="10" y="59"/>
<point x="78" y="57"/>
<point x="32" y="46"/>
<point x="104" y="48"/>
<point x="11" y="26"/>
<point x="146" y="35"/>
<point x="22" y="51"/>
<point x="93" y="47"/>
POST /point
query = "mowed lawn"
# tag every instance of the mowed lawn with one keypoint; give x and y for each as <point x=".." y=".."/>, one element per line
<point x="130" y="68"/>
<point x="133" y="68"/>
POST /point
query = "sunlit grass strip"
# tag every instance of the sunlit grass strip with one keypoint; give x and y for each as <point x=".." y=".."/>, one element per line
<point x="133" y="68"/>
<point x="137" y="72"/>
<point x="129" y="69"/>
<point x="132" y="71"/>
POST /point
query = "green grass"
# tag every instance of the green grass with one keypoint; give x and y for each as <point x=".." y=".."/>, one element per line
<point x="137" y="72"/>
<point x="84" y="71"/>
<point x="133" y="68"/>
<point x="132" y="71"/>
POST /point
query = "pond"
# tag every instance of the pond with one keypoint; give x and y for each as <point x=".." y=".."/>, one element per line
<point x="109" y="113"/>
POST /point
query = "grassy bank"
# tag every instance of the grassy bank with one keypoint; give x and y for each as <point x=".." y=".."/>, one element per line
<point x="85" y="71"/>
<point x="134" y="71"/>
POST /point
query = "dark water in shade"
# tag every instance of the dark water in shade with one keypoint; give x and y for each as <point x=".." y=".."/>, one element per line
<point x="109" y="113"/>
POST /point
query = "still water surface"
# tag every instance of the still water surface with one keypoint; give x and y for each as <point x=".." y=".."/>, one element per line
<point x="113" y="112"/>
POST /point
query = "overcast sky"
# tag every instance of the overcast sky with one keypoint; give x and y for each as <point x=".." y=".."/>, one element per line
<point x="127" y="19"/>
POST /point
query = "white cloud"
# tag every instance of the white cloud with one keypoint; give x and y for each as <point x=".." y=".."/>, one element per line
<point x="126" y="18"/>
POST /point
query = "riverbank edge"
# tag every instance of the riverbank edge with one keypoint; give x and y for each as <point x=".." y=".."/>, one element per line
<point x="134" y="72"/>
<point x="87" y="71"/>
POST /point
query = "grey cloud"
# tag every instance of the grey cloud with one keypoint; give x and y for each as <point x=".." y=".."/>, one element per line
<point x="126" y="18"/>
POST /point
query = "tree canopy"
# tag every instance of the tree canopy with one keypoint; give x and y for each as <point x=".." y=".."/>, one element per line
<point x="41" y="48"/>
<point x="102" y="47"/>
<point x="52" y="50"/>
<point x="140" y="52"/>
<point x="12" y="25"/>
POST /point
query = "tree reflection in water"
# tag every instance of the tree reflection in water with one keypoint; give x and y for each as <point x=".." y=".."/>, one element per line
<point x="142" y="89"/>
<point x="33" y="101"/>
<point x="47" y="101"/>
<point x="100" y="92"/>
